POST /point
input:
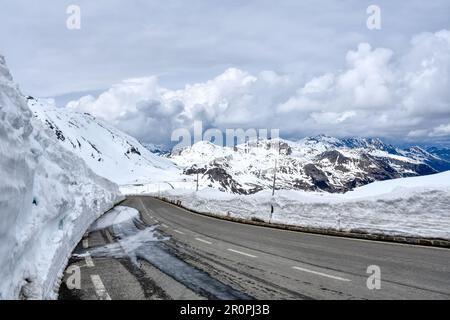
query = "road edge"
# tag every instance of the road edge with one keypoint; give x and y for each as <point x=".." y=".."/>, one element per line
<point x="353" y="234"/>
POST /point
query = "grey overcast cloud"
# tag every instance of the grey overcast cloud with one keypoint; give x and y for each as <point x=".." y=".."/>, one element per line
<point x="306" y="67"/>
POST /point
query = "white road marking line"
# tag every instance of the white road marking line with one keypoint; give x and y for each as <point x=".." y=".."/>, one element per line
<point x="178" y="231"/>
<point x="85" y="243"/>
<point x="321" y="274"/>
<point x="243" y="253"/>
<point x="165" y="225"/>
<point x="100" y="289"/>
<point x="204" y="241"/>
<point x="89" y="261"/>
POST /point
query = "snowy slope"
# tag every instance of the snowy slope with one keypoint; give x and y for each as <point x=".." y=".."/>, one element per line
<point x="107" y="151"/>
<point x="48" y="198"/>
<point x="417" y="206"/>
<point x="313" y="164"/>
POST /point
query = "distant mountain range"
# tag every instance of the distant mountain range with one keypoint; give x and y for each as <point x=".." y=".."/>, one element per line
<point x="320" y="163"/>
<point x="442" y="153"/>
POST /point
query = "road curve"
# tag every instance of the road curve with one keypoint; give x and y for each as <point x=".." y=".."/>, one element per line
<point x="267" y="263"/>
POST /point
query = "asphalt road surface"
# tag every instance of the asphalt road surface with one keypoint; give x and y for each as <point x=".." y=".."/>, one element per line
<point x="209" y="258"/>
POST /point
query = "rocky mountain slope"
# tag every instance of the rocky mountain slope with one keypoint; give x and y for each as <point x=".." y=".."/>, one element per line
<point x="440" y="152"/>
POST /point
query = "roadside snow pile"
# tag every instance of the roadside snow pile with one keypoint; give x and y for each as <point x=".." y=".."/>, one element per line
<point x="116" y="215"/>
<point x="48" y="198"/>
<point x="417" y="207"/>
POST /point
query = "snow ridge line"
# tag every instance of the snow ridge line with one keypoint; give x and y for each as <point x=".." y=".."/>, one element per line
<point x="354" y="234"/>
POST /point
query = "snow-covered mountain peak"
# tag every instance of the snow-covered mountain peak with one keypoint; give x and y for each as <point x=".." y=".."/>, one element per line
<point x="200" y="153"/>
<point x="204" y="147"/>
<point x="321" y="139"/>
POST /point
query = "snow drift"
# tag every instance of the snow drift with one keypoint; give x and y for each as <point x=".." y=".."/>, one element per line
<point x="417" y="207"/>
<point x="48" y="198"/>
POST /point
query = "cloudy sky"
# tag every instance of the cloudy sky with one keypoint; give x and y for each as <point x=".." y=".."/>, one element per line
<point x="305" y="67"/>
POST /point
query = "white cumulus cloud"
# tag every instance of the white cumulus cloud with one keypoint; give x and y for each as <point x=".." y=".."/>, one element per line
<point x="378" y="93"/>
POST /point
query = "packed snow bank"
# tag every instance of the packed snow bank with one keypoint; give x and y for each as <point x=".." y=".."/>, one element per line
<point x="48" y="198"/>
<point x="417" y="207"/>
<point x="117" y="215"/>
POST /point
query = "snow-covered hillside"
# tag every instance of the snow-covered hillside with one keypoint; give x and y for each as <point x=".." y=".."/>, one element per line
<point x="107" y="151"/>
<point x="48" y="198"/>
<point x="319" y="163"/>
<point x="417" y="206"/>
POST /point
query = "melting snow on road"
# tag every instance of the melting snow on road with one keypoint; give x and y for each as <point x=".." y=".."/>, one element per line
<point x="136" y="240"/>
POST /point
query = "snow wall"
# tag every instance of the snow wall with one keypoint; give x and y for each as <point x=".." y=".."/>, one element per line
<point x="48" y="198"/>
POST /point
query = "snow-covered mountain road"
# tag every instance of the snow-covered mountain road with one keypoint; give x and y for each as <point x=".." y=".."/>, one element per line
<point x="198" y="256"/>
